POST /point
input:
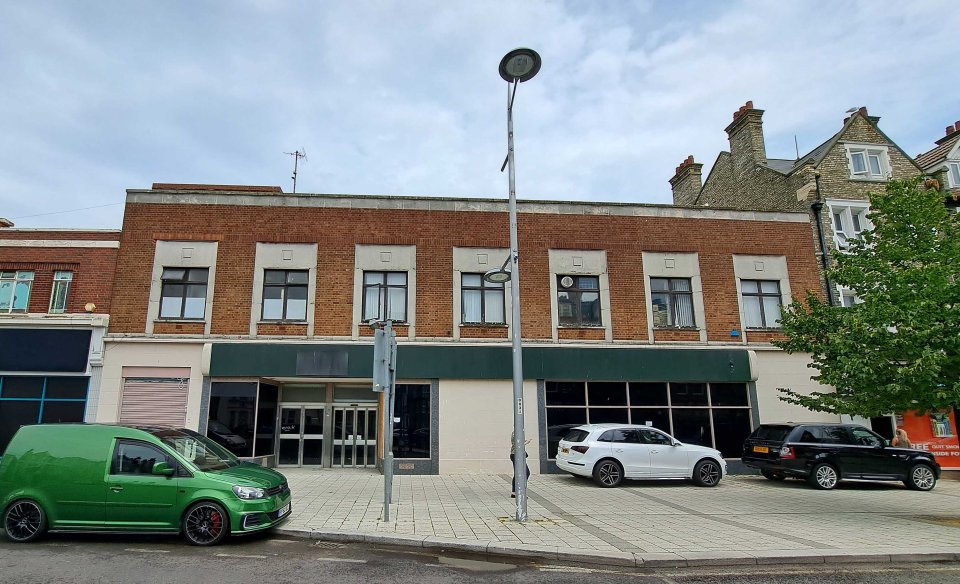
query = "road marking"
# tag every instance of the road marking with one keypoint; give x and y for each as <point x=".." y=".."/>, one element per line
<point x="146" y="551"/>
<point x="344" y="560"/>
<point x="241" y="556"/>
<point x="282" y="540"/>
<point x="572" y="570"/>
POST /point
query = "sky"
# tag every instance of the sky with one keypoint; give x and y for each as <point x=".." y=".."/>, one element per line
<point x="404" y="98"/>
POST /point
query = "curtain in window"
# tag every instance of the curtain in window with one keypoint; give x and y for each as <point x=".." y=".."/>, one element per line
<point x="371" y="303"/>
<point x="751" y="312"/>
<point x="683" y="303"/>
<point x="494" y="305"/>
<point x="471" y="306"/>
<point x="771" y="311"/>
<point x="397" y="304"/>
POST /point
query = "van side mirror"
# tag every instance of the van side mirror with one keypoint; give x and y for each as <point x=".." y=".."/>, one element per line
<point x="163" y="468"/>
<point x="677" y="443"/>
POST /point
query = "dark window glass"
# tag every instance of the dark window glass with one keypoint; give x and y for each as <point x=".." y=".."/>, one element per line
<point x="565" y="393"/>
<point x="811" y="435"/>
<point x="67" y="387"/>
<point x="607" y="436"/>
<point x="265" y="441"/>
<point x="55" y="412"/>
<point x="657" y="417"/>
<point x="578" y="300"/>
<point x="22" y="387"/>
<point x="672" y="300"/>
<point x="835" y="435"/>
<point x="731" y="428"/>
<point x="411" y="436"/>
<point x="313" y="421"/>
<point x="231" y="415"/>
<point x="864" y="437"/>
<point x="14" y="414"/>
<point x="559" y="422"/>
<point x="728" y="394"/>
<point x="602" y="393"/>
<point x="651" y="437"/>
<point x="183" y="293"/>
<point x="688" y="394"/>
<point x="648" y="394"/>
<point x="692" y="426"/>
<point x="136" y="458"/>
<point x="602" y="415"/>
<point x="576" y="435"/>
<point x="385" y="296"/>
<point x="773" y="432"/>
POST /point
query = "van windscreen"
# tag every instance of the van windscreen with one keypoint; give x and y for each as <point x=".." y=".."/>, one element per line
<point x="204" y="453"/>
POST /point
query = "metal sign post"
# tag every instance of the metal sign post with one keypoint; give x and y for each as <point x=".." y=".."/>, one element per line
<point x="384" y="381"/>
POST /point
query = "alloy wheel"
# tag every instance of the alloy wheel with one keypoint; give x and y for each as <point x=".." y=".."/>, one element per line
<point x="923" y="477"/>
<point x="205" y="524"/>
<point x="826" y="476"/>
<point x="708" y="474"/>
<point x="609" y="474"/>
<point x="23" y="521"/>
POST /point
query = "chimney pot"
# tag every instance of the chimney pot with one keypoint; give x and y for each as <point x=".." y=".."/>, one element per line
<point x="863" y="111"/>
<point x="749" y="104"/>
<point x="956" y="125"/>
<point x="950" y="130"/>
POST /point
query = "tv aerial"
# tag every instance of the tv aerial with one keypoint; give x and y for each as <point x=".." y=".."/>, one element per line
<point x="297" y="155"/>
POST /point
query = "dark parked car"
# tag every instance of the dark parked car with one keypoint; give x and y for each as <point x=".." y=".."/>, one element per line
<point x="825" y="454"/>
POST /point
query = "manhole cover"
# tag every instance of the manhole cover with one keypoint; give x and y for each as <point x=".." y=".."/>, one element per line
<point x="328" y="545"/>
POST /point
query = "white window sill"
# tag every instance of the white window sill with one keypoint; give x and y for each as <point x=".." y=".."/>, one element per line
<point x="870" y="179"/>
<point x="259" y="322"/>
<point x="187" y="320"/>
<point x="483" y="325"/>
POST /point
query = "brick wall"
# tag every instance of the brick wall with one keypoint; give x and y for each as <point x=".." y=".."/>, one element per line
<point x="435" y="233"/>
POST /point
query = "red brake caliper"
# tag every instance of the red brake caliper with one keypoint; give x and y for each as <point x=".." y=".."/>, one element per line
<point x="217" y="521"/>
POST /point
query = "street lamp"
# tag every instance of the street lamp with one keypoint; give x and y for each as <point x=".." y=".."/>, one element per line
<point x="517" y="66"/>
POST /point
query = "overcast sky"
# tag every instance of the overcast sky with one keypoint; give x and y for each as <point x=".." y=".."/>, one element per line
<point x="404" y="98"/>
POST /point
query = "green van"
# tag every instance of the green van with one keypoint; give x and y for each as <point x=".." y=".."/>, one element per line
<point x="104" y="478"/>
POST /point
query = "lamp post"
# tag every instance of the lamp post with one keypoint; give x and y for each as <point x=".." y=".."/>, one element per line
<point x="517" y="66"/>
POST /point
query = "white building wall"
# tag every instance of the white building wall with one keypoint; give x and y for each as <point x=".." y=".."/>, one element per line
<point x="148" y="355"/>
<point x="776" y="368"/>
<point x="476" y="420"/>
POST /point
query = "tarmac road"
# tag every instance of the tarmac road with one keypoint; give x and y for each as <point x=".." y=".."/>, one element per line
<point x="273" y="559"/>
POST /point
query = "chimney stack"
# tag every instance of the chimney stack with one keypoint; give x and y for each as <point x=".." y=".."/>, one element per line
<point x="745" y="132"/>
<point x="5" y="222"/>
<point x="686" y="182"/>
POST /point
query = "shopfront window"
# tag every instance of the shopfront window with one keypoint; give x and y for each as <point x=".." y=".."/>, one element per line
<point x="411" y="435"/>
<point x="28" y="400"/>
<point x="265" y="440"/>
<point x="717" y="415"/>
<point x="232" y="407"/>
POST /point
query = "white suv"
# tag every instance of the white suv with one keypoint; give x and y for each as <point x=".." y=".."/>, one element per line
<point x="612" y="452"/>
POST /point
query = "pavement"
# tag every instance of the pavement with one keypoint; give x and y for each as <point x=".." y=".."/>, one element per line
<point x="745" y="520"/>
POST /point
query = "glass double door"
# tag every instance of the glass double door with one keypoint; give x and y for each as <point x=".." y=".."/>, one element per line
<point x="301" y="436"/>
<point x="354" y="436"/>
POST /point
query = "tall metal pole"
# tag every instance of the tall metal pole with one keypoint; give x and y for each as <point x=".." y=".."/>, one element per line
<point x="519" y="444"/>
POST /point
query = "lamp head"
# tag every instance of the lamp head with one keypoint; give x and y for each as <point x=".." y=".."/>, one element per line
<point x="519" y="65"/>
<point x="497" y="276"/>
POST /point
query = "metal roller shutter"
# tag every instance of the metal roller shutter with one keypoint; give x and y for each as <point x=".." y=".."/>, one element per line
<point x="154" y="401"/>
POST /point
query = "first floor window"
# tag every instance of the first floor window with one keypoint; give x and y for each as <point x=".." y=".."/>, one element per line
<point x="672" y="300"/>
<point x="183" y="293"/>
<point x="847" y="296"/>
<point x="385" y="296"/>
<point x="285" y="294"/>
<point x="761" y="303"/>
<point x="578" y="301"/>
<point x="849" y="221"/>
<point x="61" y="291"/>
<point x="483" y="302"/>
<point x="15" y="290"/>
<point x="867" y="163"/>
<point x="717" y="415"/>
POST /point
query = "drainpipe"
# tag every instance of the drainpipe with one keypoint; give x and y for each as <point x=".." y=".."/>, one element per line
<point x="817" y="206"/>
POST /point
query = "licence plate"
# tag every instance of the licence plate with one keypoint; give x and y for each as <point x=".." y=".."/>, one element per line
<point x="763" y="449"/>
<point x="565" y="450"/>
<point x="283" y="511"/>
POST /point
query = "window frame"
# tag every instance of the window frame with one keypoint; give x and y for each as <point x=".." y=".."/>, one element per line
<point x="497" y="287"/>
<point x="760" y="295"/>
<point x="185" y="282"/>
<point x="116" y="467"/>
<point x="867" y="153"/>
<point x="848" y="214"/>
<point x="284" y="294"/>
<point x="64" y="284"/>
<point x="575" y="291"/>
<point x="953" y="173"/>
<point x="672" y="305"/>
<point x="16" y="278"/>
<point x="383" y="296"/>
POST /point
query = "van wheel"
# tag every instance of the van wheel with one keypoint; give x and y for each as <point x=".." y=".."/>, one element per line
<point x="24" y="521"/>
<point x="608" y="473"/>
<point x="205" y="523"/>
<point x="773" y="475"/>
<point x="706" y="473"/>
<point x="921" y="478"/>
<point x="824" y="476"/>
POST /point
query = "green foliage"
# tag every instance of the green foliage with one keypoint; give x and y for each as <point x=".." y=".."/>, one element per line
<point x="899" y="349"/>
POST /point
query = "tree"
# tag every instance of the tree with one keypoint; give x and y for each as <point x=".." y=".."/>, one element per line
<point x="898" y="350"/>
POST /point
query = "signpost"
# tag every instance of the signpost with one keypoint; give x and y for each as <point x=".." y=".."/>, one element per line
<point x="384" y="381"/>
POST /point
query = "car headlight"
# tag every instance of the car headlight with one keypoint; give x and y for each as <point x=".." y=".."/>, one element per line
<point x="248" y="492"/>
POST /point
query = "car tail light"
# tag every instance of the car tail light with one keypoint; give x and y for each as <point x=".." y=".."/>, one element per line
<point x="787" y="452"/>
<point x="580" y="449"/>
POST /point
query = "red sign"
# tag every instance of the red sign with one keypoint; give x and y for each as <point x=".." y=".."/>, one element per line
<point x="935" y="432"/>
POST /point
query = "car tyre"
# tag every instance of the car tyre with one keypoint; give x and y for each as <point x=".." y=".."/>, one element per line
<point x="921" y="477"/>
<point x="773" y="475"/>
<point x="608" y="473"/>
<point x="824" y="476"/>
<point x="707" y="473"/>
<point x="205" y="523"/>
<point x="24" y="521"/>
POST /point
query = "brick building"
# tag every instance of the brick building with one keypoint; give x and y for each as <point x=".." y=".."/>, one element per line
<point x="55" y="294"/>
<point x="942" y="162"/>
<point x="242" y="311"/>
<point x="831" y="182"/>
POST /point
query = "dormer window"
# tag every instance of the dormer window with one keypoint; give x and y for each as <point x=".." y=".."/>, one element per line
<point x="953" y="172"/>
<point x="849" y="221"/>
<point x="868" y="162"/>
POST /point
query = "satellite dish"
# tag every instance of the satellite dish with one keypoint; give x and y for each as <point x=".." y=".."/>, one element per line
<point x="566" y="281"/>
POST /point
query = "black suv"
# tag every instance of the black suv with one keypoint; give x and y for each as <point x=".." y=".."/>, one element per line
<point x="825" y="454"/>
